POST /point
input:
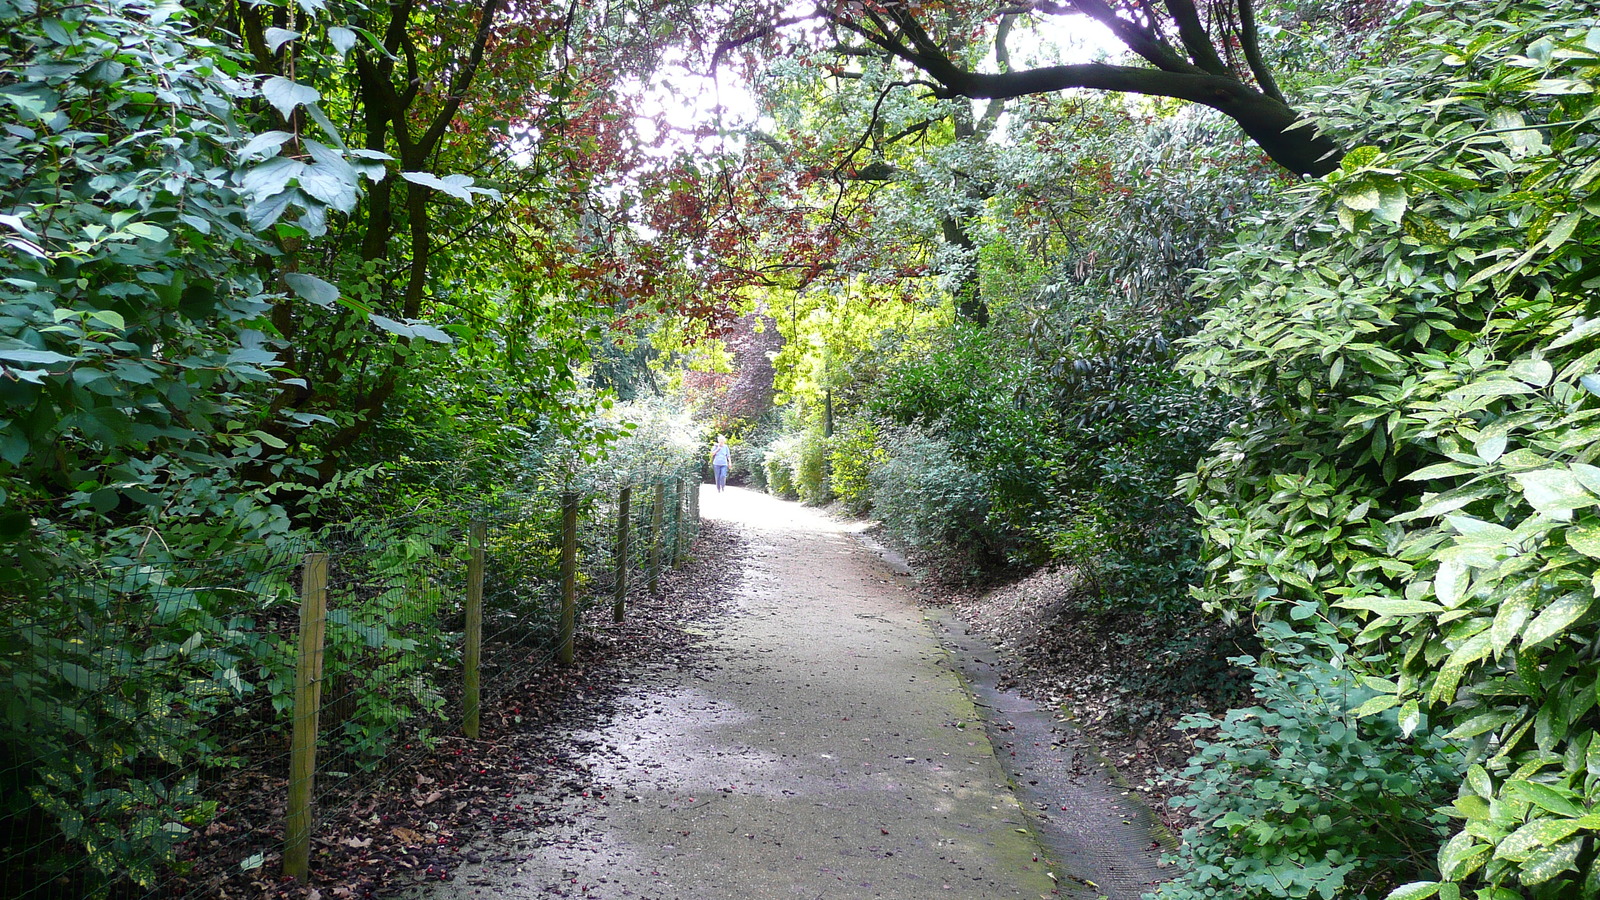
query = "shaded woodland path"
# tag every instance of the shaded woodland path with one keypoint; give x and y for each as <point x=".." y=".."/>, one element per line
<point x="825" y="745"/>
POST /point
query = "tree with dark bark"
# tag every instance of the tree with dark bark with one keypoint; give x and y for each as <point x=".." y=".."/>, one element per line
<point x="1208" y="53"/>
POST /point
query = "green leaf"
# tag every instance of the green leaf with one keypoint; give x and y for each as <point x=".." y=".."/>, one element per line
<point x="1548" y="799"/>
<point x="1555" y="618"/>
<point x="1471" y="651"/>
<point x="1392" y="202"/>
<point x="1361" y="195"/>
<point x="1410" y="718"/>
<point x="1527" y="840"/>
<point x="1482" y="724"/>
<point x="36" y="357"/>
<point x="1462" y="855"/>
<point x="79" y="677"/>
<point x="342" y="39"/>
<point x="1554" y="491"/>
<point x="277" y="37"/>
<point x="311" y="288"/>
<point x="1489" y="387"/>
<point x="1450" y="582"/>
<point x="110" y="318"/>
<point x="1585" y="538"/>
<point x="1512" y="615"/>
<point x="391" y="326"/>
<point x="1374" y="705"/>
<point x="14" y="446"/>
<point x="1359" y="158"/>
<point x="145" y="231"/>
<point x="1587" y="475"/>
<point x="271" y="177"/>
<point x="1547" y="864"/>
<point x="1416" y="890"/>
<point x="1536" y="372"/>
<point x="1561" y="232"/>
<point x="1491" y="443"/>
<point x="325" y="184"/>
<point x="454" y="185"/>
<point x="1519" y="140"/>
<point x="1391" y="606"/>
<point x="1478" y="781"/>
<point x="286" y="95"/>
<point x="1442" y="470"/>
<point x="430" y="333"/>
<point x="262" y="145"/>
<point x="1582" y="329"/>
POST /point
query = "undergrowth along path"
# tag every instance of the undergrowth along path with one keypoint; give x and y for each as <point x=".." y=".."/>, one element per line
<point x="821" y="746"/>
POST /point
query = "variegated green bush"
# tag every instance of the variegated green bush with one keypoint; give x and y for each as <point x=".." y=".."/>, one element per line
<point x="1418" y="345"/>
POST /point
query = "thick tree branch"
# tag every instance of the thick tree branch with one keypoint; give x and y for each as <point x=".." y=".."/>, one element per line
<point x="1277" y="128"/>
<point x="765" y="31"/>
<point x="1192" y="32"/>
<point x="1144" y="40"/>
<point x="1250" y="40"/>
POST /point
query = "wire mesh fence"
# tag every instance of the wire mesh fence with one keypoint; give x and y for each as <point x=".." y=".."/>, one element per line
<point x="168" y="728"/>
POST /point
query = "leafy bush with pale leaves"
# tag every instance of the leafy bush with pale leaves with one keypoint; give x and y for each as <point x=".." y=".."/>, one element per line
<point x="780" y="464"/>
<point x="1417" y="345"/>
<point x="926" y="495"/>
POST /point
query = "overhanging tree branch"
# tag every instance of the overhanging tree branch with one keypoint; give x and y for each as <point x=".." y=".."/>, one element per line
<point x="1261" y="112"/>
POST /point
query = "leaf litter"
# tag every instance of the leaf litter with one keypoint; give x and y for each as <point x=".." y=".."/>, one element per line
<point x="463" y="801"/>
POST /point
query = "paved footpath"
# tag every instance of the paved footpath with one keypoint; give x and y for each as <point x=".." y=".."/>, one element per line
<point x="825" y="750"/>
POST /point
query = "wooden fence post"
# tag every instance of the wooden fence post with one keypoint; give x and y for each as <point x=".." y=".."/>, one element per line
<point x="677" y="523"/>
<point x="307" y="706"/>
<point x="657" y="509"/>
<point x="569" y="577"/>
<point x="472" y="652"/>
<point x="681" y="500"/>
<point x="619" y="604"/>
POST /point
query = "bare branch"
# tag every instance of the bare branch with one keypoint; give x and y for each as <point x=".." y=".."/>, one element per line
<point x="462" y="82"/>
<point x="1250" y="39"/>
<point x="732" y="44"/>
<point x="1195" y="39"/>
<point x="1145" y="40"/>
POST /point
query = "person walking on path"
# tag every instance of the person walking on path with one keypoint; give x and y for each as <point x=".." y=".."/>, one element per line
<point x="719" y="461"/>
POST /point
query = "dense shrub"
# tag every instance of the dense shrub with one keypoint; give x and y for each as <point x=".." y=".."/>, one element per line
<point x="811" y="468"/>
<point x="926" y="495"/>
<point x="852" y="455"/>
<point x="781" y="460"/>
<point x="135" y="370"/>
<point x="112" y="690"/>
<point x="1416" y="348"/>
<point x="966" y="386"/>
<point x="749" y="464"/>
<point x="1299" y="798"/>
<point x="1116" y="517"/>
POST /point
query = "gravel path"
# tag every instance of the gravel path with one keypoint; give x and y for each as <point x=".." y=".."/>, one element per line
<point x="823" y="745"/>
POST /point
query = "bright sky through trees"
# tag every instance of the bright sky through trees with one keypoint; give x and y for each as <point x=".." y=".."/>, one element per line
<point x="704" y="111"/>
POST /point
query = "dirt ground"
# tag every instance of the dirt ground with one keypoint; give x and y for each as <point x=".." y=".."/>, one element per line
<point x="1101" y="672"/>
